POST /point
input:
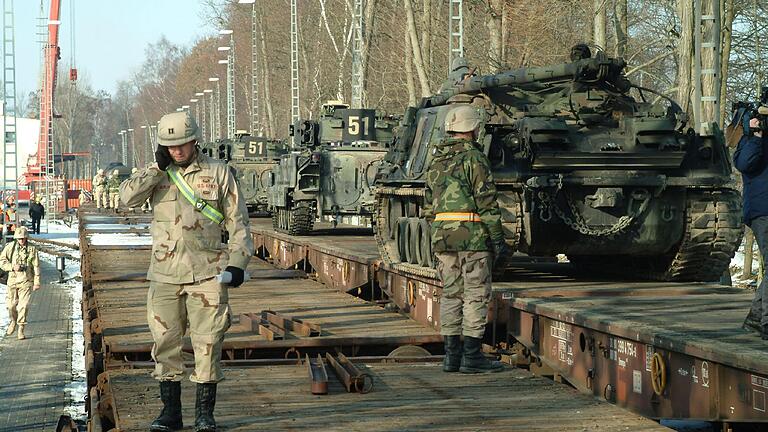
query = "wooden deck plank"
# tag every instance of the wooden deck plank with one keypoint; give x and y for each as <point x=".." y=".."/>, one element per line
<point x="122" y="309"/>
<point x="406" y="397"/>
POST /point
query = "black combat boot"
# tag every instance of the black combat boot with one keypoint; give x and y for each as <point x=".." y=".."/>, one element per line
<point x="452" y="359"/>
<point x="206" y="400"/>
<point x="473" y="360"/>
<point x="170" y="417"/>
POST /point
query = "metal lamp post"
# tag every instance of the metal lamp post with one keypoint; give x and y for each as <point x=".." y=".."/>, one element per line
<point x="147" y="145"/>
<point x="212" y="111"/>
<point x="134" y="159"/>
<point x="255" y="120"/>
<point x="217" y="109"/>
<point x="124" y="147"/>
<point x="230" y="62"/>
<point x="200" y="96"/>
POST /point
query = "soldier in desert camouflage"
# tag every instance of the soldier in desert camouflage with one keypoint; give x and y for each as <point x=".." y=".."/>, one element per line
<point x="466" y="237"/>
<point x="194" y="198"/>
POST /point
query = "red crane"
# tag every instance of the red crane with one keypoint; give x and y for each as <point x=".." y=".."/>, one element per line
<point x="43" y="164"/>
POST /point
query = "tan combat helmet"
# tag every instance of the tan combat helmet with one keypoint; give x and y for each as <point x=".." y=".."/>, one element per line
<point x="21" y="233"/>
<point x="463" y="118"/>
<point x="100" y="171"/>
<point x="176" y="129"/>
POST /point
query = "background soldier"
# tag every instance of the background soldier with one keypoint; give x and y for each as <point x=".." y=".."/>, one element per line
<point x="36" y="212"/>
<point x="99" y="189"/>
<point x="113" y="186"/>
<point x="467" y="224"/>
<point x="20" y="260"/>
<point x="751" y="159"/>
<point x="459" y="71"/>
<point x="193" y="197"/>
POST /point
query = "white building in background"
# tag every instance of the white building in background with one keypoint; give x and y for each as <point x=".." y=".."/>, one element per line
<point x="27" y="135"/>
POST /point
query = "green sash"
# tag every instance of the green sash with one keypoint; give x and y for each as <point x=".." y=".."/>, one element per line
<point x="199" y="204"/>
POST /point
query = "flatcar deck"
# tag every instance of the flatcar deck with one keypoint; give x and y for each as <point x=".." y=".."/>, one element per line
<point x="674" y="350"/>
<point x="405" y="397"/>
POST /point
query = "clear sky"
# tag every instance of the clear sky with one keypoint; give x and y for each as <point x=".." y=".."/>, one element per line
<point x="110" y="36"/>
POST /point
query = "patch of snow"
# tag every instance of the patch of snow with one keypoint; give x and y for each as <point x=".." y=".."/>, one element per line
<point x="77" y="388"/>
<point x="120" y="239"/>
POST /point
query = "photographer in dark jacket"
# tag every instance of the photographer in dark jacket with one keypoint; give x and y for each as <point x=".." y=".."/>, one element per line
<point x="36" y="212"/>
<point x="751" y="159"/>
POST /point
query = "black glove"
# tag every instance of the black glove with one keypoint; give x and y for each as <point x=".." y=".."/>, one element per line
<point x="501" y="252"/>
<point x="163" y="159"/>
<point x="238" y="276"/>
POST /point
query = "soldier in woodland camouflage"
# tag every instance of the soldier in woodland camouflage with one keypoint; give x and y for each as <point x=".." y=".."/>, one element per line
<point x="466" y="228"/>
<point x="194" y="198"/>
<point x="113" y="188"/>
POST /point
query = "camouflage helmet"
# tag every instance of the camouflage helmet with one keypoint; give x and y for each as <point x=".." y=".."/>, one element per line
<point x="459" y="63"/>
<point x="100" y="171"/>
<point x="21" y="233"/>
<point x="462" y="118"/>
<point x="176" y="129"/>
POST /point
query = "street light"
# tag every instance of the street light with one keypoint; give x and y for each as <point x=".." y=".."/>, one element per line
<point x="147" y="145"/>
<point x="124" y="146"/>
<point x="230" y="62"/>
<point x="201" y="97"/>
<point x="213" y="110"/>
<point x="216" y="126"/>
<point x="255" y="118"/>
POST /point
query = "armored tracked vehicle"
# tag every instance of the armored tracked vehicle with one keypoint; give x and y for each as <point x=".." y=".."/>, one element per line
<point x="585" y="164"/>
<point x="252" y="160"/>
<point x="330" y="170"/>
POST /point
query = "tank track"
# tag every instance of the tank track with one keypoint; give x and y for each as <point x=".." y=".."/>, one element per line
<point x="713" y="232"/>
<point x="296" y="221"/>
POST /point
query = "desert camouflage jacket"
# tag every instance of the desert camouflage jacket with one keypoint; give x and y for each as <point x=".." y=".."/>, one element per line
<point x="459" y="180"/>
<point x="24" y="256"/>
<point x="186" y="245"/>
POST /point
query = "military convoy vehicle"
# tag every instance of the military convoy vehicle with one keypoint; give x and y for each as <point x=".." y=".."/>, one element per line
<point x="586" y="163"/>
<point x="252" y="160"/>
<point x="330" y="170"/>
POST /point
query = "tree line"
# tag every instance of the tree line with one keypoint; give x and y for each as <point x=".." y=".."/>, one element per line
<point x="405" y="57"/>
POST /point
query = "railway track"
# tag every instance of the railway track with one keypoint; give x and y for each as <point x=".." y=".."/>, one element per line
<point x="606" y="338"/>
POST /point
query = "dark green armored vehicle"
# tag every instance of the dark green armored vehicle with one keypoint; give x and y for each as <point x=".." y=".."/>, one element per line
<point x="251" y="159"/>
<point x="586" y="164"/>
<point x="330" y="170"/>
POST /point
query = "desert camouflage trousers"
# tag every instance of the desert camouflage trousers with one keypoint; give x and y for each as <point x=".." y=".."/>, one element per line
<point x="17" y="301"/>
<point x="466" y="280"/>
<point x="205" y="306"/>
<point x="100" y="196"/>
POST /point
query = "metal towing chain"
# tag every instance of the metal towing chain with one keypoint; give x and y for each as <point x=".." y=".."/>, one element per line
<point x="578" y="224"/>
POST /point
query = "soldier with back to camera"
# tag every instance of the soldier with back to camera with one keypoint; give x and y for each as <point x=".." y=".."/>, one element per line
<point x="194" y="198"/>
<point x="466" y="238"/>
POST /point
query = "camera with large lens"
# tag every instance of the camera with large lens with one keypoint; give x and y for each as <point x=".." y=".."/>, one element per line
<point x="741" y="114"/>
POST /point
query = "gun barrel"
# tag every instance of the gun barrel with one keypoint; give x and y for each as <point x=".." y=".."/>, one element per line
<point x="544" y="74"/>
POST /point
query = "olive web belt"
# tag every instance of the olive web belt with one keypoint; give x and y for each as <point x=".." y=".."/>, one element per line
<point x="199" y="204"/>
